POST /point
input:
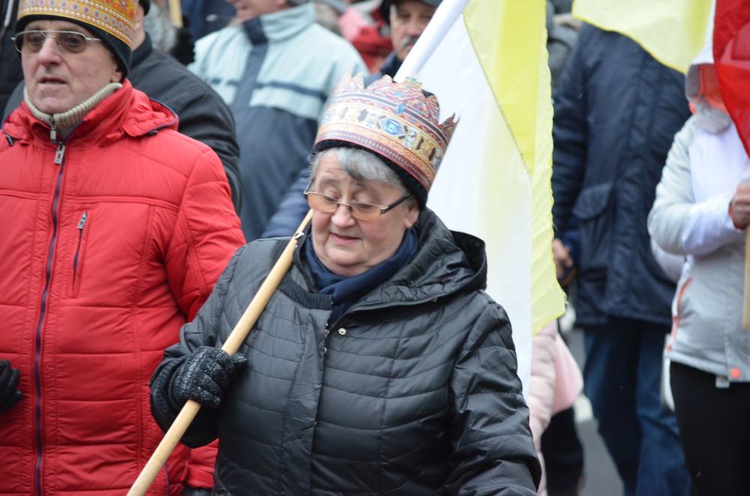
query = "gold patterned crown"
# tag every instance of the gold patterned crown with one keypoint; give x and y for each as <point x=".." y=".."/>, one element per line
<point x="114" y="17"/>
<point x="394" y="120"/>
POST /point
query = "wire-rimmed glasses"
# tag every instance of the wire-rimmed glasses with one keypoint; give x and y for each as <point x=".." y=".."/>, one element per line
<point x="29" y="42"/>
<point x="359" y="210"/>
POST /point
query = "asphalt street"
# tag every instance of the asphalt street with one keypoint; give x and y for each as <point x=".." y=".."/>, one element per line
<point x="600" y="475"/>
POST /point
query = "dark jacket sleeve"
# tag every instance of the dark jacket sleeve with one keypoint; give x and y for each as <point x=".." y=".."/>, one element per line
<point x="14" y="100"/>
<point x="292" y="209"/>
<point x="493" y="451"/>
<point x="570" y="135"/>
<point x="205" y="117"/>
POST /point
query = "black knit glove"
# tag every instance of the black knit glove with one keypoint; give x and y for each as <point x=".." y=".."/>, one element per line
<point x="9" y="394"/>
<point x="205" y="377"/>
<point x="184" y="47"/>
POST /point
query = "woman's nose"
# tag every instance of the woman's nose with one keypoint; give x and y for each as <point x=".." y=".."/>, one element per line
<point x="342" y="215"/>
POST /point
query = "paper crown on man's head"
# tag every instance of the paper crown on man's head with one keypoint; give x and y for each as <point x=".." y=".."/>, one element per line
<point x="113" y="21"/>
<point x="396" y="121"/>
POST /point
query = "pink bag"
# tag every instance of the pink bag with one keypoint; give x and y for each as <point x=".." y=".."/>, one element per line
<point x="568" y="378"/>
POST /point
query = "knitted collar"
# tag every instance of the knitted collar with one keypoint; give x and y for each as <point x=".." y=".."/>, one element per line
<point x="62" y="124"/>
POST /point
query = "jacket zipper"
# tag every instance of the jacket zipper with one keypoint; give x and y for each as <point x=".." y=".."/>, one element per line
<point x="59" y="160"/>
<point x="81" y="224"/>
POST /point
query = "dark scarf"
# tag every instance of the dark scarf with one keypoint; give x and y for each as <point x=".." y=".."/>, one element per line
<point x="347" y="290"/>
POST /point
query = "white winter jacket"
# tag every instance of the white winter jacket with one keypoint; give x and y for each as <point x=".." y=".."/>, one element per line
<point x="690" y="217"/>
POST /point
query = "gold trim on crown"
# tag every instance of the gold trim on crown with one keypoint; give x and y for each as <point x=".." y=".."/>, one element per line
<point x="395" y="120"/>
<point x="116" y="17"/>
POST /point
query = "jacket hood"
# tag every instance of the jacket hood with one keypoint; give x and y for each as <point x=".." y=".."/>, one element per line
<point x="447" y="262"/>
<point x="692" y="78"/>
<point x="708" y="117"/>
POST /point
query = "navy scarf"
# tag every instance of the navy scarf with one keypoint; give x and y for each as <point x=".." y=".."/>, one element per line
<point x="347" y="290"/>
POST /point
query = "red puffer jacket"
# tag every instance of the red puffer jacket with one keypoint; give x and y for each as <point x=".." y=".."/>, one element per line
<point x="108" y="245"/>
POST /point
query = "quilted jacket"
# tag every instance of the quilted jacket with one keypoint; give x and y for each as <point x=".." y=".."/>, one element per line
<point x="413" y="391"/>
<point x="110" y="243"/>
<point x="617" y="110"/>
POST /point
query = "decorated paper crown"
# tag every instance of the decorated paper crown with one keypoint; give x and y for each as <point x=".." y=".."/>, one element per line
<point x="112" y="20"/>
<point x="394" y="120"/>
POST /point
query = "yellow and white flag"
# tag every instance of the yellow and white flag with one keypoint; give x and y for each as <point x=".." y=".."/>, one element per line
<point x="672" y="31"/>
<point x="486" y="60"/>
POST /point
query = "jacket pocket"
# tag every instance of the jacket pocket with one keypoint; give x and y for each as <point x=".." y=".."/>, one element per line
<point x="78" y="257"/>
<point x="595" y="211"/>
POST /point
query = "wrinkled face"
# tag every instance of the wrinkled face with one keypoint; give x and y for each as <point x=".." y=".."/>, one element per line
<point x="349" y="247"/>
<point x="409" y="18"/>
<point x="58" y="81"/>
<point x="250" y="9"/>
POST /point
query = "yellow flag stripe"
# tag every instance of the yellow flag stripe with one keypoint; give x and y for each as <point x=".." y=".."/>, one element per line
<point x="509" y="40"/>
<point x="510" y="61"/>
<point x="672" y="31"/>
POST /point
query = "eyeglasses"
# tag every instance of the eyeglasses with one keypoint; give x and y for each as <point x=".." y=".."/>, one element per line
<point x="359" y="210"/>
<point x="29" y="42"/>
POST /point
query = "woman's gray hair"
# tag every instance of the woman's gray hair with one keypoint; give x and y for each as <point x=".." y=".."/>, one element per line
<point x="360" y="165"/>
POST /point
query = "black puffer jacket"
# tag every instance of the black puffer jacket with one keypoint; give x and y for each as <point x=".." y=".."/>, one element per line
<point x="412" y="392"/>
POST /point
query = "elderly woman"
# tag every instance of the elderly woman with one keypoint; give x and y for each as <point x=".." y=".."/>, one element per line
<point x="379" y="365"/>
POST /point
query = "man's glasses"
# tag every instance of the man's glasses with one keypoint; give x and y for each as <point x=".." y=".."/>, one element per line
<point x="361" y="211"/>
<point x="29" y="42"/>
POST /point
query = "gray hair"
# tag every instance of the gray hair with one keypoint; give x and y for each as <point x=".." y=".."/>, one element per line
<point x="360" y="165"/>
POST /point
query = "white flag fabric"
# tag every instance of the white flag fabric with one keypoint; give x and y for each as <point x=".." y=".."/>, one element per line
<point x="486" y="60"/>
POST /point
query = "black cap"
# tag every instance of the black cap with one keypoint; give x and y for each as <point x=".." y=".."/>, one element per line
<point x="385" y="8"/>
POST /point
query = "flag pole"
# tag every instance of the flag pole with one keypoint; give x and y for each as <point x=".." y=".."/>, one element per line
<point x="231" y="346"/>
<point x="445" y="16"/>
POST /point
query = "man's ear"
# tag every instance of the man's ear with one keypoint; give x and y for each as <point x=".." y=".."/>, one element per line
<point x="117" y="76"/>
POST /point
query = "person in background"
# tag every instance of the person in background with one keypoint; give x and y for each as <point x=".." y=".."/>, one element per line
<point x="407" y="20"/>
<point x="115" y="229"/>
<point x="207" y="16"/>
<point x="275" y="69"/>
<point x="203" y="114"/>
<point x="616" y="112"/>
<point x="379" y="365"/>
<point x="701" y="212"/>
<point x="360" y="23"/>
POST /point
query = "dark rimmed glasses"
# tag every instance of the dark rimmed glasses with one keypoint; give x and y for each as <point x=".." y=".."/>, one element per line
<point x="29" y="42"/>
<point x="326" y="204"/>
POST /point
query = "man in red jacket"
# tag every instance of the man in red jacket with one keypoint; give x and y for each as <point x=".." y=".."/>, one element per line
<point x="115" y="228"/>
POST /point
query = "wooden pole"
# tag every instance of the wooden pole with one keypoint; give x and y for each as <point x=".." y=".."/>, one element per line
<point x="231" y="345"/>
